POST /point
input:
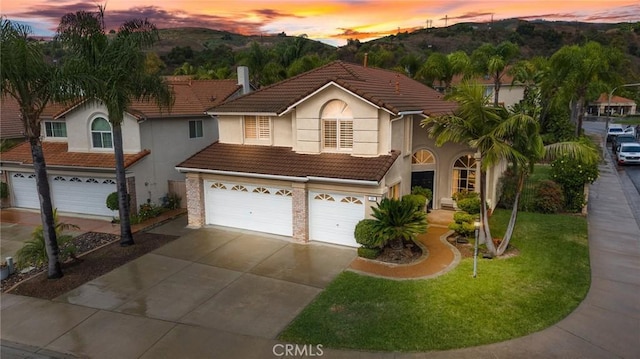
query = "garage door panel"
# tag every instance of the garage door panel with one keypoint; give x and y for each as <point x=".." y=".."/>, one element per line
<point x="333" y="217"/>
<point x="257" y="208"/>
<point x="86" y="195"/>
<point x="25" y="194"/>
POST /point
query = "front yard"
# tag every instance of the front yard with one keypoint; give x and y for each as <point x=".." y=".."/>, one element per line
<point x="511" y="297"/>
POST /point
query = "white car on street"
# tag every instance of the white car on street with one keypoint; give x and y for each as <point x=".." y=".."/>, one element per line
<point x="628" y="153"/>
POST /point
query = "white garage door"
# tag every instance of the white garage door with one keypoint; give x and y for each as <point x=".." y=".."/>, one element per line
<point x="86" y="195"/>
<point x="23" y="187"/>
<point x="257" y="208"/>
<point x="333" y="217"/>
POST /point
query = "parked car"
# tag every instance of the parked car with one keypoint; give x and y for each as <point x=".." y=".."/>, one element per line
<point x="616" y="129"/>
<point x="623" y="138"/>
<point x="628" y="153"/>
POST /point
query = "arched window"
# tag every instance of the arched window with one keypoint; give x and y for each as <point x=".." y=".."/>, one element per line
<point x="464" y="174"/>
<point x="337" y="126"/>
<point x="423" y="157"/>
<point x="101" y="133"/>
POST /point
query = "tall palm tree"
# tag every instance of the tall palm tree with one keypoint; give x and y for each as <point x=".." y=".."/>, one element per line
<point x="487" y="130"/>
<point x="118" y="63"/>
<point x="493" y="61"/>
<point x="33" y="82"/>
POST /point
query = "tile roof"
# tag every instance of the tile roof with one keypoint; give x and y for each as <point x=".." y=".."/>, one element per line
<point x="387" y="89"/>
<point x="10" y="120"/>
<point x="604" y="98"/>
<point x="283" y="161"/>
<point x="57" y="154"/>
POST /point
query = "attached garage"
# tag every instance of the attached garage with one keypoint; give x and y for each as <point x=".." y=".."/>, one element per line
<point x="254" y="207"/>
<point x="74" y="194"/>
<point x="333" y="217"/>
<point x="23" y="188"/>
<point x="82" y="194"/>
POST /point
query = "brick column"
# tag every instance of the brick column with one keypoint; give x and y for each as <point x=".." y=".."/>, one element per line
<point x="195" y="200"/>
<point x="300" y="213"/>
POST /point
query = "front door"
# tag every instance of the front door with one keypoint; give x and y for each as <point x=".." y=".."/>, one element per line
<point x="424" y="179"/>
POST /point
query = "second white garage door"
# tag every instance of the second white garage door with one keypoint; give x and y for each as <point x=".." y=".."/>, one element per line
<point x="254" y="207"/>
<point x="333" y="217"/>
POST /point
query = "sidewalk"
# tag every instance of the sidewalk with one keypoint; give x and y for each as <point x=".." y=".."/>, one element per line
<point x="605" y="325"/>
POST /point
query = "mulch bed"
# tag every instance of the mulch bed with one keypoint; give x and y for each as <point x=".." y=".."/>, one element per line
<point x="409" y="254"/>
<point x="92" y="264"/>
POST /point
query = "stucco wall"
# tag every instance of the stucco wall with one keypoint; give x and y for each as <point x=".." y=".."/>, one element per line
<point x="230" y="129"/>
<point x="79" y="129"/>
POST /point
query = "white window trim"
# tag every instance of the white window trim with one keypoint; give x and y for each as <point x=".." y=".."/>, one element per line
<point x="105" y="149"/>
<point x="261" y="137"/>
<point x="339" y="112"/>
<point x="54" y="138"/>
<point x="338" y="148"/>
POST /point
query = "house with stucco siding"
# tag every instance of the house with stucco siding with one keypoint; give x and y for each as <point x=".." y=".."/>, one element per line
<point x="309" y="156"/>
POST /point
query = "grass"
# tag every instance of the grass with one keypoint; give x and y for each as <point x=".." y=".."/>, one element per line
<point x="511" y="297"/>
<point x="630" y="120"/>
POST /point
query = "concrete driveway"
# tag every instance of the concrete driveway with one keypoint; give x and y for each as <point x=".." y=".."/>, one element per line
<point x="225" y="289"/>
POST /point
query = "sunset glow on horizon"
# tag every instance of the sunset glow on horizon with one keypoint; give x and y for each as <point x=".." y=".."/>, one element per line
<point x="329" y="21"/>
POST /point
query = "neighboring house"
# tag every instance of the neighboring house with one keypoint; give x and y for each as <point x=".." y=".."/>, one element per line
<point x="509" y="94"/>
<point x="11" y="127"/>
<point x="307" y="157"/>
<point x="78" y="147"/>
<point x="618" y="106"/>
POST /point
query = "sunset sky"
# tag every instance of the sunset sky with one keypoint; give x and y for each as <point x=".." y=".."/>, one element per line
<point x="329" y="21"/>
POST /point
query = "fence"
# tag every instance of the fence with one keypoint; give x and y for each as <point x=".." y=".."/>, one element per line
<point x="179" y="188"/>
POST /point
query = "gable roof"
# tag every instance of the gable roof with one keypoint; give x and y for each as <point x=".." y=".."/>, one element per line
<point x="57" y="154"/>
<point x="389" y="90"/>
<point x="283" y="161"/>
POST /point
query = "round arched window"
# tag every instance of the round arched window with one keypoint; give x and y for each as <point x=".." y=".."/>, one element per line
<point x="101" y="136"/>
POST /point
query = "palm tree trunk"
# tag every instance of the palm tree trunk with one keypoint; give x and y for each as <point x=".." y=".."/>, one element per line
<point x="126" y="238"/>
<point x="579" y="110"/>
<point x="485" y="233"/>
<point x="496" y="90"/>
<point x="512" y="220"/>
<point x="46" y="209"/>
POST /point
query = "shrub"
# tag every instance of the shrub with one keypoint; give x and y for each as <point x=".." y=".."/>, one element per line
<point x="365" y="234"/>
<point x="397" y="221"/>
<point x="34" y="251"/>
<point x="112" y="201"/>
<point x="171" y="201"/>
<point x="369" y="253"/>
<point x="572" y="175"/>
<point x="4" y="190"/>
<point x="427" y="193"/>
<point x="549" y="197"/>
<point x="469" y="204"/>
<point x="508" y="186"/>
<point x="418" y="200"/>
<point x="463" y="224"/>
<point x="464" y="194"/>
<point x="148" y="210"/>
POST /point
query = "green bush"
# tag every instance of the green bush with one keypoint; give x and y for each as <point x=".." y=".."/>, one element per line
<point x="572" y="175"/>
<point x="464" y="194"/>
<point x="365" y="234"/>
<point x="369" y="253"/>
<point x="148" y="210"/>
<point x="171" y="201"/>
<point x="549" y="197"/>
<point x="418" y="200"/>
<point x="469" y="205"/>
<point x="427" y="193"/>
<point x="397" y="221"/>
<point x="463" y="224"/>
<point x="4" y="190"/>
<point x="508" y="185"/>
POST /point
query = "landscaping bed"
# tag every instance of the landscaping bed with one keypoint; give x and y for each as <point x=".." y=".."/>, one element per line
<point x="98" y="254"/>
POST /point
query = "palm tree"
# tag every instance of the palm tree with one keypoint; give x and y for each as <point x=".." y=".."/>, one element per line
<point x="493" y="61"/>
<point x="581" y="72"/>
<point x="397" y="220"/>
<point x="487" y="130"/>
<point x="442" y="68"/>
<point x="26" y="76"/>
<point x="118" y="63"/>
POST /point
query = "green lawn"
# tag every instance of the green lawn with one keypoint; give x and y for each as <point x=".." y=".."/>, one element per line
<point x="509" y="298"/>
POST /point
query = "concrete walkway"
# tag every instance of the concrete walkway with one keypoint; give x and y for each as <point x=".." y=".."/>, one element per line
<point x="227" y="294"/>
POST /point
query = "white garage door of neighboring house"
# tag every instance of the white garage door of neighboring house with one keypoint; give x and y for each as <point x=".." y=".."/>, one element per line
<point x="86" y="195"/>
<point x="253" y="207"/>
<point x="333" y="217"/>
<point x="23" y="186"/>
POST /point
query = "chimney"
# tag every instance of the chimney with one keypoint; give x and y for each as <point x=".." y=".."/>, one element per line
<point x="366" y="58"/>
<point x="243" y="79"/>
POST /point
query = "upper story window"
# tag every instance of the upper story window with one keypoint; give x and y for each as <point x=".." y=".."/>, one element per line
<point x="55" y="129"/>
<point x="195" y="129"/>
<point x="101" y="136"/>
<point x="257" y="128"/>
<point x="337" y="126"/>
